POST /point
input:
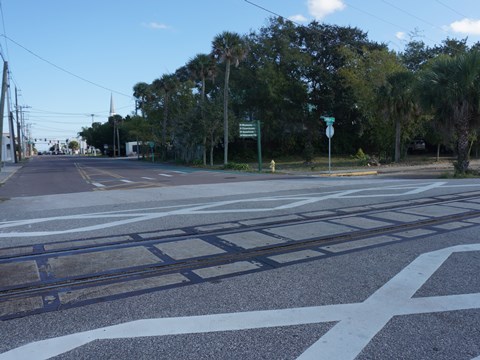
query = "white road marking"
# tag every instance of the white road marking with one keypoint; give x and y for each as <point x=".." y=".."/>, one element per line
<point x="139" y="215"/>
<point x="166" y="175"/>
<point x="179" y="172"/>
<point x="357" y="323"/>
<point x="147" y="178"/>
<point x="425" y="188"/>
<point x="98" y="184"/>
<point x="126" y="181"/>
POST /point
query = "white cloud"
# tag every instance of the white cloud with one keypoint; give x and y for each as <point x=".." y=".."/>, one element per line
<point x="156" y="26"/>
<point x="466" y="26"/>
<point x="321" y="8"/>
<point x="400" y="35"/>
<point x="298" y="18"/>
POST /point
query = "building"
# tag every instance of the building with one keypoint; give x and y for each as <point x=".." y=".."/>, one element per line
<point x="7" y="149"/>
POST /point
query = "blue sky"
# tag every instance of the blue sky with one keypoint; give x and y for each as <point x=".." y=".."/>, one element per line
<point x="117" y="43"/>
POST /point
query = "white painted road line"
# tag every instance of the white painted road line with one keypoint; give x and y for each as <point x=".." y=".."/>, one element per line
<point x="179" y="172"/>
<point x="216" y="207"/>
<point x="167" y="175"/>
<point x="147" y="178"/>
<point x="126" y="181"/>
<point x="98" y="184"/>
<point x="357" y="323"/>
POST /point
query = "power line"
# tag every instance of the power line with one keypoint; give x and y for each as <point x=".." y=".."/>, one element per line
<point x="63" y="69"/>
<point x="301" y="25"/>
<point x="377" y="17"/>
<point x="412" y="15"/>
<point x="96" y="113"/>
<point x="353" y="7"/>
<point x="450" y="8"/>
<point x="272" y="12"/>
<point x="37" y="110"/>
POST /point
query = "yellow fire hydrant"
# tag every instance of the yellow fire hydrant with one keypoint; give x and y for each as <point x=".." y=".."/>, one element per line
<point x="272" y="166"/>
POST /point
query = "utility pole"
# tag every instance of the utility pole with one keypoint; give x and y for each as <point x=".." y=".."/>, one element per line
<point x="12" y="137"/>
<point x="92" y="115"/>
<point x="19" y="138"/>
<point x="115" y="128"/>
<point x="114" y="136"/>
<point x="24" y="131"/>
<point x="12" y="129"/>
<point x="2" y="106"/>
<point x="118" y="141"/>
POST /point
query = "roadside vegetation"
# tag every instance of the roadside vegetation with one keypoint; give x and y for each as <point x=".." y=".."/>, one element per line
<point x="287" y="77"/>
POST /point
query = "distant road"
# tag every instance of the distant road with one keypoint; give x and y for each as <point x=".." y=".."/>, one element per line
<point x="49" y="174"/>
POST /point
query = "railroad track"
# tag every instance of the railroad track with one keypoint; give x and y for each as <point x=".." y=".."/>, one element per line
<point x="54" y="276"/>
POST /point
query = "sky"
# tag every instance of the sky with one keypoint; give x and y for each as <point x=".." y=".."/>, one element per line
<point x="67" y="58"/>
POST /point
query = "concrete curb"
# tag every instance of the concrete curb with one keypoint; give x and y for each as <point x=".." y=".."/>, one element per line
<point x="352" y="173"/>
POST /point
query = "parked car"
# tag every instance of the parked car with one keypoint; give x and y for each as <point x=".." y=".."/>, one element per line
<point x="417" y="145"/>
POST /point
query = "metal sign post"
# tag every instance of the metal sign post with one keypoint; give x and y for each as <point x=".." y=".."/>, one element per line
<point x="152" y="149"/>
<point x="329" y="132"/>
<point x="259" y="146"/>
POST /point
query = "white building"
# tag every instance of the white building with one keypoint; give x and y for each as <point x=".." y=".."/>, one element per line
<point x="132" y="149"/>
<point x="7" y="149"/>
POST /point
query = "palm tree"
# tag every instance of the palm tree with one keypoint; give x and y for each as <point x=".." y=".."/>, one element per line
<point x="164" y="87"/>
<point x="397" y="102"/>
<point x="202" y="67"/>
<point x="230" y="48"/>
<point x="142" y="92"/>
<point x="451" y="87"/>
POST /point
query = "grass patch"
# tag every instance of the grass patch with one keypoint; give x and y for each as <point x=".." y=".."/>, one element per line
<point x="318" y="163"/>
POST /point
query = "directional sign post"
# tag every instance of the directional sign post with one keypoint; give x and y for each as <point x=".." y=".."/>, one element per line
<point x="152" y="149"/>
<point x="251" y="130"/>
<point x="329" y="132"/>
<point x="248" y="129"/>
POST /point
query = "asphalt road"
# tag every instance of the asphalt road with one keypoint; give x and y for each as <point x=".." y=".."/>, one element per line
<point x="49" y="174"/>
<point x="308" y="268"/>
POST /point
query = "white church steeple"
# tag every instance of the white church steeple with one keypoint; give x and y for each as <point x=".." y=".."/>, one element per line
<point x="112" y="108"/>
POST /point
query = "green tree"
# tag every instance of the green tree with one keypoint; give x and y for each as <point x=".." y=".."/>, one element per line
<point x="416" y="54"/>
<point x="98" y="135"/>
<point x="230" y="48"/>
<point x="451" y="87"/>
<point x="201" y="68"/>
<point x="365" y="74"/>
<point x="142" y="92"/>
<point x="139" y="130"/>
<point x="73" y="145"/>
<point x="164" y="88"/>
<point x="398" y="103"/>
<point x="330" y="95"/>
<point x="276" y="65"/>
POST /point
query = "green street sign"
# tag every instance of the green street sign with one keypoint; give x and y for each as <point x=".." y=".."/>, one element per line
<point x="252" y="130"/>
<point x="328" y="120"/>
<point x="248" y="129"/>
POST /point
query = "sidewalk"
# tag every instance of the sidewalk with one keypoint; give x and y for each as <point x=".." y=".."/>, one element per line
<point x="7" y="170"/>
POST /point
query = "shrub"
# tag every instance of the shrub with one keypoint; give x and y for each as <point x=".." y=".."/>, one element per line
<point x="197" y="162"/>
<point x="362" y="158"/>
<point x="236" y="166"/>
